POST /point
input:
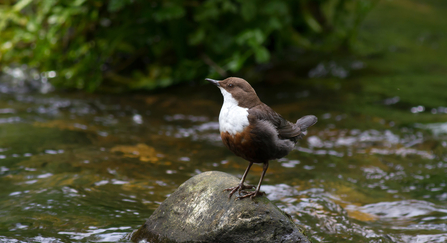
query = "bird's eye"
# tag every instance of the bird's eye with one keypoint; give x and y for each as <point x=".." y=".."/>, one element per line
<point x="230" y="85"/>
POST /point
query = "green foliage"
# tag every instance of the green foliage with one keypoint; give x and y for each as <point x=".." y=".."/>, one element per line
<point x="140" y="44"/>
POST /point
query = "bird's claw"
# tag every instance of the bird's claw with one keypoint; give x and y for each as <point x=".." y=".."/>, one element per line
<point x="251" y="195"/>
<point x="240" y="188"/>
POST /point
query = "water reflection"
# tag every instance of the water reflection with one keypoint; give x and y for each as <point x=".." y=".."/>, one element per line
<point x="111" y="234"/>
<point x="93" y="168"/>
<point x="437" y="129"/>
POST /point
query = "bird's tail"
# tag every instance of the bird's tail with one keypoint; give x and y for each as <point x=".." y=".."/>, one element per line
<point x="306" y="121"/>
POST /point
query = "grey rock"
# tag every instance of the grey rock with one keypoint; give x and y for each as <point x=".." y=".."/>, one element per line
<point x="200" y="211"/>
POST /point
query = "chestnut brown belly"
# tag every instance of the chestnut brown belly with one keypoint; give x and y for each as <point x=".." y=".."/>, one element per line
<point x="247" y="146"/>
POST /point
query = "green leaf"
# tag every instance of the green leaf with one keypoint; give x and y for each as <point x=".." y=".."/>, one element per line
<point x="254" y="36"/>
<point x="208" y="10"/>
<point x="237" y="61"/>
<point x="278" y="8"/>
<point x="169" y="13"/>
<point x="116" y="5"/>
<point x="21" y="4"/>
<point x="228" y="6"/>
<point x="77" y="3"/>
<point x="311" y="21"/>
<point x="197" y="37"/>
<point x="248" y="10"/>
<point x="262" y="55"/>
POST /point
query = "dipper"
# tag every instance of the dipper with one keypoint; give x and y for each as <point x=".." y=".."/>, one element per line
<point x="253" y="131"/>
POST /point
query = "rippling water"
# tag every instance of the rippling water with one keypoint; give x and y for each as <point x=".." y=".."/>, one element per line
<point x="80" y="167"/>
<point x="77" y="167"/>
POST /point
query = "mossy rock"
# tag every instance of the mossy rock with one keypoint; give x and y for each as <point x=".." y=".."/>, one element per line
<point x="200" y="211"/>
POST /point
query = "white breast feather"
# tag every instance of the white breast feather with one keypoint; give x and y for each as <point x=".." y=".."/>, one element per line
<point x="232" y="118"/>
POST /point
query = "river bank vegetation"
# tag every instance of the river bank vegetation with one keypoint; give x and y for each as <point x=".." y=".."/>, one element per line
<point x="131" y="45"/>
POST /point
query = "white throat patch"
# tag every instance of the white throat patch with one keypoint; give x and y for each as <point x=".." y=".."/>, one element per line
<point x="232" y="118"/>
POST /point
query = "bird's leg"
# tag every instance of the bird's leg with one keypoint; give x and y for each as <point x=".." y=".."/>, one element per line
<point x="257" y="192"/>
<point x="241" y="185"/>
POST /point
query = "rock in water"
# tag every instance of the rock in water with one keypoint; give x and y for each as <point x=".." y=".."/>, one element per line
<point x="200" y="211"/>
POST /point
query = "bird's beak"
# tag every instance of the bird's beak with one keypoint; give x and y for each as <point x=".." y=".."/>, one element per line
<point x="215" y="82"/>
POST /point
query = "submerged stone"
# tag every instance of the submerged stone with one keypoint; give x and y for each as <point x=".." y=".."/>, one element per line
<point x="200" y="211"/>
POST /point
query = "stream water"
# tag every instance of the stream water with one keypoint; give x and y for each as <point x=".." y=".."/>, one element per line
<point x="77" y="167"/>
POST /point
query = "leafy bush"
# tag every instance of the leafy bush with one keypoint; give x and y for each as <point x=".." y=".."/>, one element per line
<point x="146" y="44"/>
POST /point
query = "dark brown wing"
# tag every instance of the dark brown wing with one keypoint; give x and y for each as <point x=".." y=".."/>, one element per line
<point x="286" y="129"/>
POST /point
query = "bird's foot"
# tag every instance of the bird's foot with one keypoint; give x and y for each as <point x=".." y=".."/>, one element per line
<point x="240" y="188"/>
<point x="251" y="195"/>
